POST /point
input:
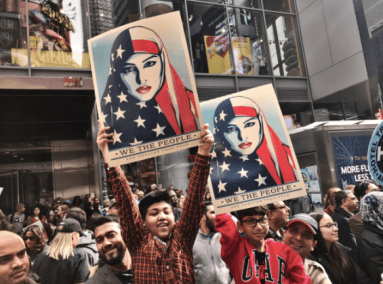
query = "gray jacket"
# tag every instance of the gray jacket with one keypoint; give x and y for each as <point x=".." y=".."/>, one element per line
<point x="104" y="275"/>
<point x="208" y="264"/>
<point x="89" y="247"/>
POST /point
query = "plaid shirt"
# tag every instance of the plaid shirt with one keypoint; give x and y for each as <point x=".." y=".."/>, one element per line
<point x="153" y="262"/>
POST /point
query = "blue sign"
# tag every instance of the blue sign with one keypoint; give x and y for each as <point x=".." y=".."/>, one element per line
<point x="39" y="16"/>
<point x="375" y="154"/>
<point x="351" y="159"/>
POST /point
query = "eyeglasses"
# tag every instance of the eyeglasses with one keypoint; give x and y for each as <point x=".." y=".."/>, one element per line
<point x="251" y="222"/>
<point x="282" y="207"/>
<point x="329" y="225"/>
<point x="29" y="238"/>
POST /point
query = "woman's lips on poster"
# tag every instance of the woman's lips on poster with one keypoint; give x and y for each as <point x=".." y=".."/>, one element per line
<point x="144" y="89"/>
<point x="245" y="145"/>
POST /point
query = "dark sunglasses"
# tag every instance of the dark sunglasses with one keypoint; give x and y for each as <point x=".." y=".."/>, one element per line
<point x="29" y="238"/>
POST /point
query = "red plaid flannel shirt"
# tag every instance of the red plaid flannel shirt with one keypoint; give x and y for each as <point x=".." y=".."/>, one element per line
<point x="152" y="261"/>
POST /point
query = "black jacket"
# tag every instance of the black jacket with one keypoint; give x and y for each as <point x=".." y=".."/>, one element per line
<point x="361" y="276"/>
<point x="370" y="252"/>
<point x="346" y="237"/>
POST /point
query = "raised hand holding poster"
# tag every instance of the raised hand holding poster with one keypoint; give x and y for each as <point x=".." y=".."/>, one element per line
<point x="145" y="89"/>
<point x="253" y="162"/>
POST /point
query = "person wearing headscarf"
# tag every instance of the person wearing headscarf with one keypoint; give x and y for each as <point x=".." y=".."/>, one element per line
<point x="248" y="154"/>
<point x="144" y="98"/>
<point x="370" y="246"/>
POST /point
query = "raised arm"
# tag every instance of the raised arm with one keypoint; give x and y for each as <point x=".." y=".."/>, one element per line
<point x="191" y="215"/>
<point x="133" y="230"/>
<point x="229" y="235"/>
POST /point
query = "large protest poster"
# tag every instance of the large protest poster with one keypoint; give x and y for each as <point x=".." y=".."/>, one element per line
<point x="145" y="89"/>
<point x="253" y="162"/>
<point x="351" y="159"/>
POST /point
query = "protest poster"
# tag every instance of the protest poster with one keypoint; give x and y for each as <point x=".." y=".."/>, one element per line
<point x="145" y="89"/>
<point x="253" y="161"/>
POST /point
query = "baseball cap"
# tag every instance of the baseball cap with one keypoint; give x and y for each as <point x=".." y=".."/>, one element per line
<point x="69" y="226"/>
<point x="305" y="219"/>
<point x="68" y="202"/>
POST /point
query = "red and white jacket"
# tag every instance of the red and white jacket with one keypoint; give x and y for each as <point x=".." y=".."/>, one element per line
<point x="282" y="264"/>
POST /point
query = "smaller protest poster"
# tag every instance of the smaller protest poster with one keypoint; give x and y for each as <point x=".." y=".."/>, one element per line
<point x="145" y="89"/>
<point x="253" y="162"/>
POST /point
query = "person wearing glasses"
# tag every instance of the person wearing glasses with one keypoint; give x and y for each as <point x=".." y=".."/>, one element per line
<point x="278" y="215"/>
<point x="333" y="256"/>
<point x="34" y="241"/>
<point x="251" y="258"/>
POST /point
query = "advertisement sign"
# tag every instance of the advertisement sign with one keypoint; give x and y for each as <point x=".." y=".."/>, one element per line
<point x="351" y="159"/>
<point x="145" y="89"/>
<point x="242" y="55"/>
<point x="375" y="154"/>
<point x="253" y="161"/>
<point x="217" y="54"/>
<point x="310" y="178"/>
<point x="55" y="34"/>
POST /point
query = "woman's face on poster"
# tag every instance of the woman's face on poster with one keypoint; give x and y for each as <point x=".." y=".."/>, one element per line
<point x="244" y="134"/>
<point x="142" y="75"/>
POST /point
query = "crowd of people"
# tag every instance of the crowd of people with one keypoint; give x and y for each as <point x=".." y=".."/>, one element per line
<point x="162" y="237"/>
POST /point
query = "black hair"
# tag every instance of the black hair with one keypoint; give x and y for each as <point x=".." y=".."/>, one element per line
<point x="207" y="203"/>
<point x="271" y="206"/>
<point x="155" y="196"/>
<point x="79" y="215"/>
<point x="339" y="197"/>
<point x="74" y="199"/>
<point x="342" y="265"/>
<point x="360" y="188"/>
<point x="101" y="220"/>
<point x="257" y="211"/>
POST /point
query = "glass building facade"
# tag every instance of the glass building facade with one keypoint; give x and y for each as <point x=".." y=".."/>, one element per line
<point x="47" y="91"/>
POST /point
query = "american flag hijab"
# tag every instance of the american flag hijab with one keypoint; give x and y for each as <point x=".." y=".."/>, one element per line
<point x="171" y="111"/>
<point x="233" y="172"/>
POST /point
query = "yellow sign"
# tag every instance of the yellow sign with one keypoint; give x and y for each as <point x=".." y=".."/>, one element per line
<point x="47" y="58"/>
<point x="242" y="55"/>
<point x="217" y="53"/>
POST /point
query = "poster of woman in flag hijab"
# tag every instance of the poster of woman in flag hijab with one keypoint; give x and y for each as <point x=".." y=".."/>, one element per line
<point x="145" y="89"/>
<point x="253" y="162"/>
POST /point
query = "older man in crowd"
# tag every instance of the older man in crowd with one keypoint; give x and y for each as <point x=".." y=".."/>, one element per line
<point x="301" y="235"/>
<point x="346" y="203"/>
<point x="278" y="217"/>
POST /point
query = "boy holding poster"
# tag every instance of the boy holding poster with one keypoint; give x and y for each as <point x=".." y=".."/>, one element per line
<point x="161" y="249"/>
<point x="273" y="262"/>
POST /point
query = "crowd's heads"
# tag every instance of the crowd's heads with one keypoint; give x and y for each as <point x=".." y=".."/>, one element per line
<point x="113" y="207"/>
<point x="364" y="187"/>
<point x="34" y="238"/>
<point x="140" y="195"/>
<point x="67" y="238"/>
<point x="14" y="261"/>
<point x="62" y="210"/>
<point x="371" y="209"/>
<point x="278" y="214"/>
<point x="76" y="200"/>
<point x="37" y="211"/>
<point x="330" y="194"/>
<point x="79" y="215"/>
<point x="347" y="200"/>
<point x="301" y="234"/>
<point x="20" y="207"/>
<point x="254" y="223"/>
<point x="209" y="216"/>
<point x="107" y="202"/>
<point x="173" y="197"/>
<point x="157" y="211"/>
<point x="110" y="244"/>
<point x="153" y="186"/>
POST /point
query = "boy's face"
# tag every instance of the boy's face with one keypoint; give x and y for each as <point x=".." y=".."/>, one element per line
<point x="254" y="234"/>
<point x="160" y="220"/>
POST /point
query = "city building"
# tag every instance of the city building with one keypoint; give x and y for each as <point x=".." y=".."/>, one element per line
<point x="323" y="58"/>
